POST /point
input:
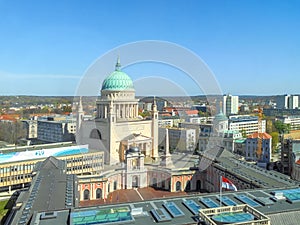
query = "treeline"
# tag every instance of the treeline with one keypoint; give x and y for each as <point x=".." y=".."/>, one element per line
<point x="12" y="132"/>
<point x="9" y="101"/>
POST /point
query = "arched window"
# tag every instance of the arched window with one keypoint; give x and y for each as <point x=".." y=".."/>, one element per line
<point x="95" y="134"/>
<point x="86" y="194"/>
<point x="98" y="193"/>
<point x="178" y="186"/>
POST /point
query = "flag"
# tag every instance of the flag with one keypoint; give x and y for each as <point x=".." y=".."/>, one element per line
<point x="227" y="184"/>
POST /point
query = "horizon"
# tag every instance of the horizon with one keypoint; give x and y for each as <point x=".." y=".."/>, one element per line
<point x="250" y="47"/>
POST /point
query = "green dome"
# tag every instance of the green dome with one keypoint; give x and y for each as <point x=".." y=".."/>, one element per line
<point x="117" y="80"/>
<point x="220" y="117"/>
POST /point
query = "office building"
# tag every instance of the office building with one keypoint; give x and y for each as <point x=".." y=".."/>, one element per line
<point x="247" y="124"/>
<point x="53" y="129"/>
<point x="287" y="102"/>
<point x="16" y="165"/>
<point x="230" y="105"/>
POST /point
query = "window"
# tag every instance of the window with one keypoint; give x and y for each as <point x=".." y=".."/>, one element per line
<point x="98" y="193"/>
<point x="86" y="194"/>
<point x="178" y="186"/>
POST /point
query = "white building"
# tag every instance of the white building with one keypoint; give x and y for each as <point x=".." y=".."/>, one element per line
<point x="293" y="121"/>
<point x="230" y="104"/>
<point x="287" y="102"/>
<point x="117" y="126"/>
<point x="246" y="124"/>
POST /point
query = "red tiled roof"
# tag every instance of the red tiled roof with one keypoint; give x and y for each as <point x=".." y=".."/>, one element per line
<point x="191" y="112"/>
<point x="10" y="117"/>
<point x="261" y="135"/>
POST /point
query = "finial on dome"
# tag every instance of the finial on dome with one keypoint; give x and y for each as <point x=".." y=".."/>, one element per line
<point x="118" y="64"/>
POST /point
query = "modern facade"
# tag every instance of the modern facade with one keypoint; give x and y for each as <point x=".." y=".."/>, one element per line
<point x="287" y="102"/>
<point x="230" y="104"/>
<point x="53" y="129"/>
<point x="16" y="167"/>
<point x="247" y="124"/>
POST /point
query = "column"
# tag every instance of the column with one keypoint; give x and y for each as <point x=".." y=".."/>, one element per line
<point x="105" y="111"/>
<point x="123" y="111"/>
<point x="131" y="110"/>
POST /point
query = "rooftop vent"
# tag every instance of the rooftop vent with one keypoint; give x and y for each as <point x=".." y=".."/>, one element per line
<point x="48" y="215"/>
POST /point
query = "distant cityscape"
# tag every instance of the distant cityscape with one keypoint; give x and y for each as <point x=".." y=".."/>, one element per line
<point x="118" y="158"/>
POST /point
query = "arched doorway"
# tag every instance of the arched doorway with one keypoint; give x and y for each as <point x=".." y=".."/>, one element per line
<point x="178" y="186"/>
<point x="86" y="194"/>
<point x="188" y="186"/>
<point x="154" y="182"/>
<point x="98" y="193"/>
<point x="135" y="182"/>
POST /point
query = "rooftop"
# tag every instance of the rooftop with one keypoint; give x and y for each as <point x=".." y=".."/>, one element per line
<point x="254" y="174"/>
<point x="260" y="135"/>
<point x="180" y="210"/>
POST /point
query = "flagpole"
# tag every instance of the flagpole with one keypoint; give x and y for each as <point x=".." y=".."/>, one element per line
<point x="221" y="191"/>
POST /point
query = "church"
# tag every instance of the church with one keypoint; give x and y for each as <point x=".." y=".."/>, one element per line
<point x="117" y="125"/>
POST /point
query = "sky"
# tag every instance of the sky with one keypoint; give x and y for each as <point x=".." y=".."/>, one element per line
<point x="251" y="47"/>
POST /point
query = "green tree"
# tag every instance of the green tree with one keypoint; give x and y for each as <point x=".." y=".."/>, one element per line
<point x="275" y="140"/>
<point x="11" y="132"/>
<point x="144" y="114"/>
<point x="244" y="133"/>
<point x="281" y="127"/>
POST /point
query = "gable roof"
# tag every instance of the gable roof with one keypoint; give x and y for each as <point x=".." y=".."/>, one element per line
<point x="260" y="135"/>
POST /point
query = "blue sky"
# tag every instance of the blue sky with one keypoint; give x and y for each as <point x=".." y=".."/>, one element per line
<point x="252" y="47"/>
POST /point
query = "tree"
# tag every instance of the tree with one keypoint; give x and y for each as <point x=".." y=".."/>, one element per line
<point x="281" y="127"/>
<point x="12" y="132"/>
<point x="275" y="140"/>
<point x="244" y="134"/>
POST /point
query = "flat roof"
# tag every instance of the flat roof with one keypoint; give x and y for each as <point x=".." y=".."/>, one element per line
<point x="141" y="211"/>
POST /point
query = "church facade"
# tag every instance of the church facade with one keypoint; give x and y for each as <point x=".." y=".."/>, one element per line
<point x="117" y="125"/>
<point x="130" y="145"/>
